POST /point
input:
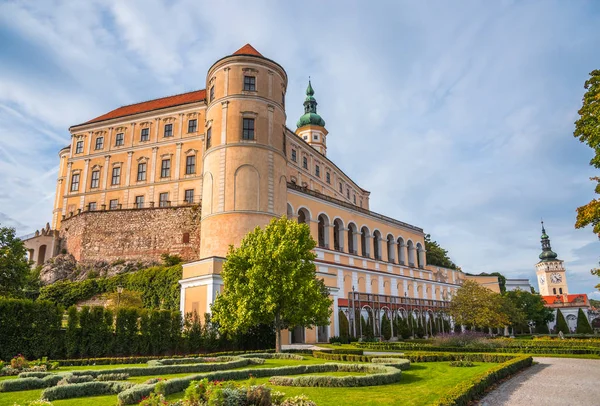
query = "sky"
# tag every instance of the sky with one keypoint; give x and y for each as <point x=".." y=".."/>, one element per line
<point x="457" y="116"/>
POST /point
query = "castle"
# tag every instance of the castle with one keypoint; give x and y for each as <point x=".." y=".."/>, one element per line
<point x="193" y="173"/>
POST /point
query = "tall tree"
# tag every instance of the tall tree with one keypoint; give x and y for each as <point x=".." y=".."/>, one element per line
<point x="583" y="324"/>
<point x="561" y="323"/>
<point x="14" y="269"/>
<point x="477" y="306"/>
<point x="271" y="278"/>
<point x="532" y="305"/>
<point x="437" y="255"/>
<point x="587" y="129"/>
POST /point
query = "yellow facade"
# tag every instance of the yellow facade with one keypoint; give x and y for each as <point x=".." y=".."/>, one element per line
<point x="242" y="179"/>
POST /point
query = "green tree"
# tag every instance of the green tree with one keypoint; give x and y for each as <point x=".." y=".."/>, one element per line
<point x="532" y="306"/>
<point x="72" y="333"/>
<point x="14" y="269"/>
<point x="437" y="255"/>
<point x="561" y="323"/>
<point x="587" y="130"/>
<point x="271" y="278"/>
<point x="344" y="324"/>
<point x="583" y="324"/>
<point x="386" y="327"/>
<point x="476" y="306"/>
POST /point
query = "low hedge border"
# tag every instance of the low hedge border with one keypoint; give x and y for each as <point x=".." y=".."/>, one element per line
<point x="377" y="375"/>
<point x="14" y="385"/>
<point x="399" y="363"/>
<point x="467" y="391"/>
<point x="112" y="377"/>
<point x="78" y="390"/>
<point x="135" y="394"/>
<point x="420" y="357"/>
<point x="350" y="357"/>
<point x="194" y="360"/>
<point x="281" y="355"/>
<point x="34" y="374"/>
<point x="520" y="349"/>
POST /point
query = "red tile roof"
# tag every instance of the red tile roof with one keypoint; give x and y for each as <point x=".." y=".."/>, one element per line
<point x="577" y="299"/>
<point x="163" y="102"/>
<point x="247" y="50"/>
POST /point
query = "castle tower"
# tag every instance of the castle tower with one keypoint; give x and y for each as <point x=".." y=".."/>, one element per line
<point x="244" y="164"/>
<point x="311" y="127"/>
<point x="550" y="271"/>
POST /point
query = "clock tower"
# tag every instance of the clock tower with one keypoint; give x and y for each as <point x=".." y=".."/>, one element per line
<point x="551" y="275"/>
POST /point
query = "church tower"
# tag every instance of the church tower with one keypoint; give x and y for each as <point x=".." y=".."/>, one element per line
<point x="551" y="275"/>
<point x="311" y="127"/>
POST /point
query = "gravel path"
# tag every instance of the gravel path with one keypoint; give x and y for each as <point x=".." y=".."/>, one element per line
<point x="553" y="381"/>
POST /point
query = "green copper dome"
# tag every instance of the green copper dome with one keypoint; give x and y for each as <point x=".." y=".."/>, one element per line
<point x="310" y="116"/>
<point x="547" y="253"/>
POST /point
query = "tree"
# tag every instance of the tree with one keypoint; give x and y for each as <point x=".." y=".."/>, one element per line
<point x="436" y="255"/>
<point x="14" y="269"/>
<point x="533" y="307"/>
<point x="561" y="323"/>
<point x="386" y="327"/>
<point x="271" y="278"/>
<point x="476" y="306"/>
<point x="583" y="324"/>
<point x="587" y="129"/>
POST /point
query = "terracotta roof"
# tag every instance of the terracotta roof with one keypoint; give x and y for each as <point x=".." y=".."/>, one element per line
<point x="163" y="102"/>
<point x="570" y="299"/>
<point x="247" y="50"/>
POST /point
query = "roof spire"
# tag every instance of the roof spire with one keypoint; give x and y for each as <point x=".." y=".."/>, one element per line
<point x="547" y="253"/>
<point x="310" y="116"/>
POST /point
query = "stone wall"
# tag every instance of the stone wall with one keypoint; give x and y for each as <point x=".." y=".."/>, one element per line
<point x="133" y="234"/>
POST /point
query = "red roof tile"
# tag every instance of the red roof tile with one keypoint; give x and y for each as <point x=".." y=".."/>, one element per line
<point x="570" y="299"/>
<point x="163" y="102"/>
<point x="247" y="50"/>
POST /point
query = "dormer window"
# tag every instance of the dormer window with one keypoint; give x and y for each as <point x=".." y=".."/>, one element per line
<point x="250" y="83"/>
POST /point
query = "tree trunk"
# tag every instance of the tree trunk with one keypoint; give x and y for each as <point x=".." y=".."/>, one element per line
<point x="277" y="333"/>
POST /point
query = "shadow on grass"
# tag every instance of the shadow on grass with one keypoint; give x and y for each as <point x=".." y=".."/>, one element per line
<point x="414" y="367"/>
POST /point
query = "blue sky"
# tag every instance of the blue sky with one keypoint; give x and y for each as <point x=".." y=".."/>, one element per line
<point x="457" y="116"/>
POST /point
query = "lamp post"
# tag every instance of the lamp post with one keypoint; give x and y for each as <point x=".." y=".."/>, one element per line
<point x="119" y="291"/>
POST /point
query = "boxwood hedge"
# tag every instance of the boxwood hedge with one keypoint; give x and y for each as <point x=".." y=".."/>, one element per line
<point x="376" y="375"/>
<point x="78" y="390"/>
<point x="12" y="385"/>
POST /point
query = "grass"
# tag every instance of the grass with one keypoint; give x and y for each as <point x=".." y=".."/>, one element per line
<point x="420" y="385"/>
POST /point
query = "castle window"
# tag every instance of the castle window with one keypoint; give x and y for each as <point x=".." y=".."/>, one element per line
<point x="315" y="137"/>
<point x="560" y="290"/>
<point x="165" y="168"/>
<point x="554" y="290"/>
<point x="139" y="202"/>
<point x="119" y="140"/>
<point x="192" y="126"/>
<point x="75" y="182"/>
<point x="304" y="162"/>
<point x="116" y="176"/>
<point x="317" y="171"/>
<point x="168" y="130"/>
<point x="190" y="164"/>
<point x="248" y="129"/>
<point x="186" y="238"/>
<point x="79" y="147"/>
<point x="212" y="94"/>
<point x="95" y="179"/>
<point x="341" y="188"/>
<point x="348" y="193"/>
<point x="283" y="99"/>
<point x="163" y="200"/>
<point x="189" y="196"/>
<point x="99" y="143"/>
<point x="208" y="138"/>
<point x="113" y="204"/>
<point x="92" y="206"/>
<point x="294" y="157"/>
<point x="328" y="177"/>
<point x="305" y="138"/>
<point x="250" y="83"/>
<point x="141" y="173"/>
<point x="354" y="199"/>
<point x="145" y="134"/>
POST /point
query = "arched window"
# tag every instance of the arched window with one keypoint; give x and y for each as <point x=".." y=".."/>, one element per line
<point x="420" y="256"/>
<point x="390" y="248"/>
<point x="377" y="244"/>
<point x="303" y="216"/>
<point x="364" y="245"/>
<point x="323" y="234"/>
<point x="401" y="251"/>
<point x="560" y="290"/>
<point x="290" y="211"/>
<point x="352" y="239"/>
<point x="338" y="235"/>
<point x="554" y="290"/>
<point x="411" y="253"/>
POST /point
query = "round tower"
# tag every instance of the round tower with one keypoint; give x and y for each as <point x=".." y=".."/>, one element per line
<point x="244" y="164"/>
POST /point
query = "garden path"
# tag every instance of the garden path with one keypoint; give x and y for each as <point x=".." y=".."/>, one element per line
<point x="552" y="381"/>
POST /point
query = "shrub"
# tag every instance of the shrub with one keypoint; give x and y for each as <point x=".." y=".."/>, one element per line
<point x="19" y="362"/>
<point x="9" y="371"/>
<point x="13" y="385"/>
<point x="112" y="377"/>
<point x="377" y="375"/>
<point x="155" y="399"/>
<point x="78" y="390"/>
<point x="583" y="324"/>
<point x="299" y="400"/>
<point x="465" y="339"/>
<point x="35" y="374"/>
<point x="69" y="379"/>
<point x="275" y="355"/>
<point x="399" y="363"/>
<point x="461" y="363"/>
<point x="561" y="323"/>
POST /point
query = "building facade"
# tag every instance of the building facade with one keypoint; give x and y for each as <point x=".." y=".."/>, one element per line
<point x="193" y="173"/>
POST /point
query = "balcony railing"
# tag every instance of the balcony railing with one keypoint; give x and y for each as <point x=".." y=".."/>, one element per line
<point x="393" y="302"/>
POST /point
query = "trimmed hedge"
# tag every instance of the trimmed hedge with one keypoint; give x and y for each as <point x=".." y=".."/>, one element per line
<point x="71" y="379"/>
<point x="377" y="375"/>
<point x="78" y="390"/>
<point x="35" y="374"/>
<point x="112" y="377"/>
<point x="281" y="355"/>
<point x="399" y="363"/>
<point x="419" y="357"/>
<point x="466" y="391"/>
<point x="350" y="357"/>
<point x="173" y="369"/>
<point x="13" y="385"/>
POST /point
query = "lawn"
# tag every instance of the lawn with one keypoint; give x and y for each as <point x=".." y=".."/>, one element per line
<point x="420" y="385"/>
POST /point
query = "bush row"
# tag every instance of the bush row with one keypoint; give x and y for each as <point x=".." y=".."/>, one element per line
<point x="78" y="390"/>
<point x="112" y="377"/>
<point x="466" y="391"/>
<point x="350" y="357"/>
<point x="376" y="375"/>
<point x="13" y="385"/>
<point x="419" y="357"/>
<point x="274" y="355"/>
<point x="522" y="349"/>
<point x="399" y="363"/>
<point x="40" y="374"/>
